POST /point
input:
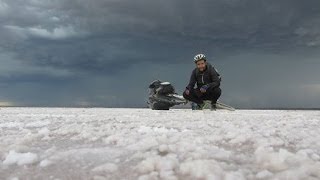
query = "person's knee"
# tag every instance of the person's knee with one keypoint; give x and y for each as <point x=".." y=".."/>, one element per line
<point x="211" y="89"/>
<point x="185" y="95"/>
<point x="215" y="91"/>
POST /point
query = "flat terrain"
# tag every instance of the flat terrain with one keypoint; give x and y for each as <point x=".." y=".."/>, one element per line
<point x="100" y="143"/>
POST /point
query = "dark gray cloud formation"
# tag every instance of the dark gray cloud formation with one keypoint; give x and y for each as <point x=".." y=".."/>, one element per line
<point x="105" y="52"/>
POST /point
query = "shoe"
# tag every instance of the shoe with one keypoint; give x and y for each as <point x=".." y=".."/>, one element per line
<point x="193" y="106"/>
<point x="200" y="106"/>
<point x="213" y="107"/>
<point x="196" y="106"/>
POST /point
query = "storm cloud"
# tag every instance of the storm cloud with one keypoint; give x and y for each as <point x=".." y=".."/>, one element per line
<point x="105" y="52"/>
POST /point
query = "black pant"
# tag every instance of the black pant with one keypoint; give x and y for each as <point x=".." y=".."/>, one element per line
<point x="196" y="96"/>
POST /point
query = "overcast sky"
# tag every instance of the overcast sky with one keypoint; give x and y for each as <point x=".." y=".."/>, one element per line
<point x="106" y="52"/>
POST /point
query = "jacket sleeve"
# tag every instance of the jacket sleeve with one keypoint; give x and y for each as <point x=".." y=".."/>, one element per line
<point x="192" y="80"/>
<point x="215" y="77"/>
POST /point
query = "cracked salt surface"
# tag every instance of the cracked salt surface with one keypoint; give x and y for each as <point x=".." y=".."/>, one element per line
<point x="98" y="143"/>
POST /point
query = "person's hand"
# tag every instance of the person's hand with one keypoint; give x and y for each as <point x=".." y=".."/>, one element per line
<point x="187" y="91"/>
<point x="204" y="88"/>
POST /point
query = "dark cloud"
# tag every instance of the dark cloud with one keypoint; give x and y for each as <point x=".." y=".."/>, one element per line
<point x="104" y="49"/>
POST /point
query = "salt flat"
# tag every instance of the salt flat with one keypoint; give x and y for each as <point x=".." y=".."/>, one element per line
<point x="101" y="143"/>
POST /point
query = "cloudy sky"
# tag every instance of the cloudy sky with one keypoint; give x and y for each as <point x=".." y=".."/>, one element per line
<point x="106" y="52"/>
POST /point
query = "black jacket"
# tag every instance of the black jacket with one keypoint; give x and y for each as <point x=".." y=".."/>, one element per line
<point x="208" y="77"/>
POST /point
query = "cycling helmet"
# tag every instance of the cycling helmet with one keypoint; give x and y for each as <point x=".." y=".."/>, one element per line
<point x="199" y="57"/>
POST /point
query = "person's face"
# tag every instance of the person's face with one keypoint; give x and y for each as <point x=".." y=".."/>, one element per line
<point x="201" y="65"/>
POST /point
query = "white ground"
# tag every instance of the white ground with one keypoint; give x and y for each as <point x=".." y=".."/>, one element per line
<point x="97" y="143"/>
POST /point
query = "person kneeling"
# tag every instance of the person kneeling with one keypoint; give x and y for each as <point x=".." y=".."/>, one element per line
<point x="208" y="83"/>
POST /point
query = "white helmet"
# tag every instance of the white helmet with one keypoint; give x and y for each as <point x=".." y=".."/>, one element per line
<point x="199" y="57"/>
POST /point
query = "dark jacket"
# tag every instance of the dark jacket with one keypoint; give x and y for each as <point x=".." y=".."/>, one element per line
<point x="208" y="77"/>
